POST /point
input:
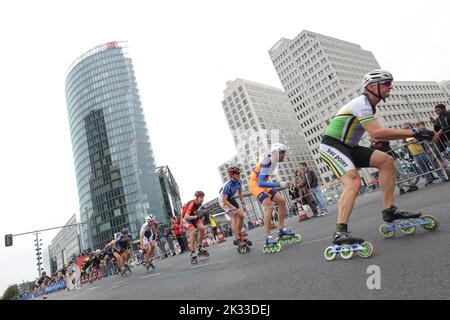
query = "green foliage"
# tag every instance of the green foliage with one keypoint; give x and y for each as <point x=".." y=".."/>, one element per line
<point x="11" y="292"/>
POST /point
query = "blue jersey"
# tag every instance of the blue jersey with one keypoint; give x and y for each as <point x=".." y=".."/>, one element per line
<point x="230" y="188"/>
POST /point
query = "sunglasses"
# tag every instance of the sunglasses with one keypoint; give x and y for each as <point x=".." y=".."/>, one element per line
<point x="386" y="83"/>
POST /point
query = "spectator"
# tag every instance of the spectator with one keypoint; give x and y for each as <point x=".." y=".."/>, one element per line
<point x="305" y="196"/>
<point x="312" y="184"/>
<point x="214" y="228"/>
<point x="180" y="234"/>
<point x="433" y="152"/>
<point x="293" y="191"/>
<point x="169" y="238"/>
<point x="161" y="241"/>
<point x="419" y="156"/>
<point x="442" y="127"/>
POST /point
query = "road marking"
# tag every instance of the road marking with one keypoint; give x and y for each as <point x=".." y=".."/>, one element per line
<point x="93" y="288"/>
<point x="114" y="287"/>
<point x="119" y="281"/>
<point x="202" y="265"/>
<point x="151" y="275"/>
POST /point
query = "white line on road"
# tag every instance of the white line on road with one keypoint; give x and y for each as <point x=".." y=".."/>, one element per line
<point x="114" y="287"/>
<point x="93" y="288"/>
<point x="151" y="275"/>
<point x="202" y="265"/>
<point x="119" y="281"/>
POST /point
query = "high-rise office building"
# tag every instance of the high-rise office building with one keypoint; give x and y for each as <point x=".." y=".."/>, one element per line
<point x="445" y="86"/>
<point x="258" y="116"/>
<point x="314" y="70"/>
<point x="114" y="163"/>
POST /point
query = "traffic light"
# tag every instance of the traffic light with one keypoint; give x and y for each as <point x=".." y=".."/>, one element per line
<point x="8" y="240"/>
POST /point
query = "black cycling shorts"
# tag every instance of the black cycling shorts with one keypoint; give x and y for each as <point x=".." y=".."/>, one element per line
<point x="343" y="158"/>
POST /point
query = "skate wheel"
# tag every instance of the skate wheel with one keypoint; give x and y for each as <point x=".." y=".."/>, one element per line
<point x="298" y="237"/>
<point x="368" y="250"/>
<point x="249" y="242"/>
<point x="248" y="249"/>
<point x="346" y="252"/>
<point x="406" y="227"/>
<point x="277" y="248"/>
<point x="283" y="241"/>
<point x="432" y="225"/>
<point x="328" y="254"/>
<point x="291" y="240"/>
<point x="386" y="234"/>
<point x="265" y="250"/>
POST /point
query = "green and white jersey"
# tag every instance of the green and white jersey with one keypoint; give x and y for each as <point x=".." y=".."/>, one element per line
<point x="346" y="125"/>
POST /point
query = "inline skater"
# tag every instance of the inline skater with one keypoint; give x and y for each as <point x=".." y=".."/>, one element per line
<point x="42" y="283"/>
<point x="147" y="240"/>
<point x="231" y="207"/>
<point x="194" y="223"/>
<point x="267" y="192"/>
<point x="97" y="265"/>
<point x="340" y="150"/>
<point x="86" y="267"/>
<point x="123" y="244"/>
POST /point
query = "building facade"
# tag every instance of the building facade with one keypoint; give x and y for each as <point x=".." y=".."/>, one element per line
<point x="114" y="163"/>
<point x="170" y="191"/>
<point x="259" y="115"/>
<point x="445" y="86"/>
<point x="315" y="70"/>
<point x="65" y="244"/>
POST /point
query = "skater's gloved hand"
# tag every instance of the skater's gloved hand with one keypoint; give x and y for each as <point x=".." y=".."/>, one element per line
<point x="423" y="135"/>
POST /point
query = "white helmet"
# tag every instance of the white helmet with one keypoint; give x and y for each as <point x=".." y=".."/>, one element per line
<point x="376" y="76"/>
<point x="150" y="218"/>
<point x="98" y="251"/>
<point x="278" y="147"/>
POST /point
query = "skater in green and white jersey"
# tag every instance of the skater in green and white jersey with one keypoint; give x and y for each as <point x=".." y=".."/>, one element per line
<point x="340" y="149"/>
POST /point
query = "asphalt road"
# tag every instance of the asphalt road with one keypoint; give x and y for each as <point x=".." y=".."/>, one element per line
<point x="411" y="266"/>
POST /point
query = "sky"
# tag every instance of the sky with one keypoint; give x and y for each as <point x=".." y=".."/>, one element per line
<point x="183" y="54"/>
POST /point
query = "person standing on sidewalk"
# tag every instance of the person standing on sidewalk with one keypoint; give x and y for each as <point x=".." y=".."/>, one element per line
<point x="419" y="155"/>
<point x="313" y="186"/>
<point x="305" y="196"/>
<point x="179" y="234"/>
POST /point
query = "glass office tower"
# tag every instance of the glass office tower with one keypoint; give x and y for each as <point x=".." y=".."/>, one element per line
<point x="114" y="163"/>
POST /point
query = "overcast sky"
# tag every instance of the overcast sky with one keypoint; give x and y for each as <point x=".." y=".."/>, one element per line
<point x="183" y="53"/>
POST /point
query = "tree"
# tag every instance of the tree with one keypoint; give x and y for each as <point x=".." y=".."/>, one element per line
<point x="11" y="292"/>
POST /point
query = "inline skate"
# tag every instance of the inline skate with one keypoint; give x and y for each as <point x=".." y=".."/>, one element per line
<point x="405" y="221"/>
<point x="346" y="246"/>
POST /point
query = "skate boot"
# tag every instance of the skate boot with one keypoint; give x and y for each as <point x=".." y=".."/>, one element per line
<point x="127" y="267"/>
<point x="393" y="213"/>
<point x="287" y="236"/>
<point x="242" y="246"/>
<point x="202" y="252"/>
<point x="343" y="237"/>
<point x="405" y="221"/>
<point x="271" y="245"/>
<point x="242" y="236"/>
<point x="346" y="246"/>
<point x="194" y="258"/>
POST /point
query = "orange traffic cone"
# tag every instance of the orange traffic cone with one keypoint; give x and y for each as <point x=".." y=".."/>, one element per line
<point x="220" y="235"/>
